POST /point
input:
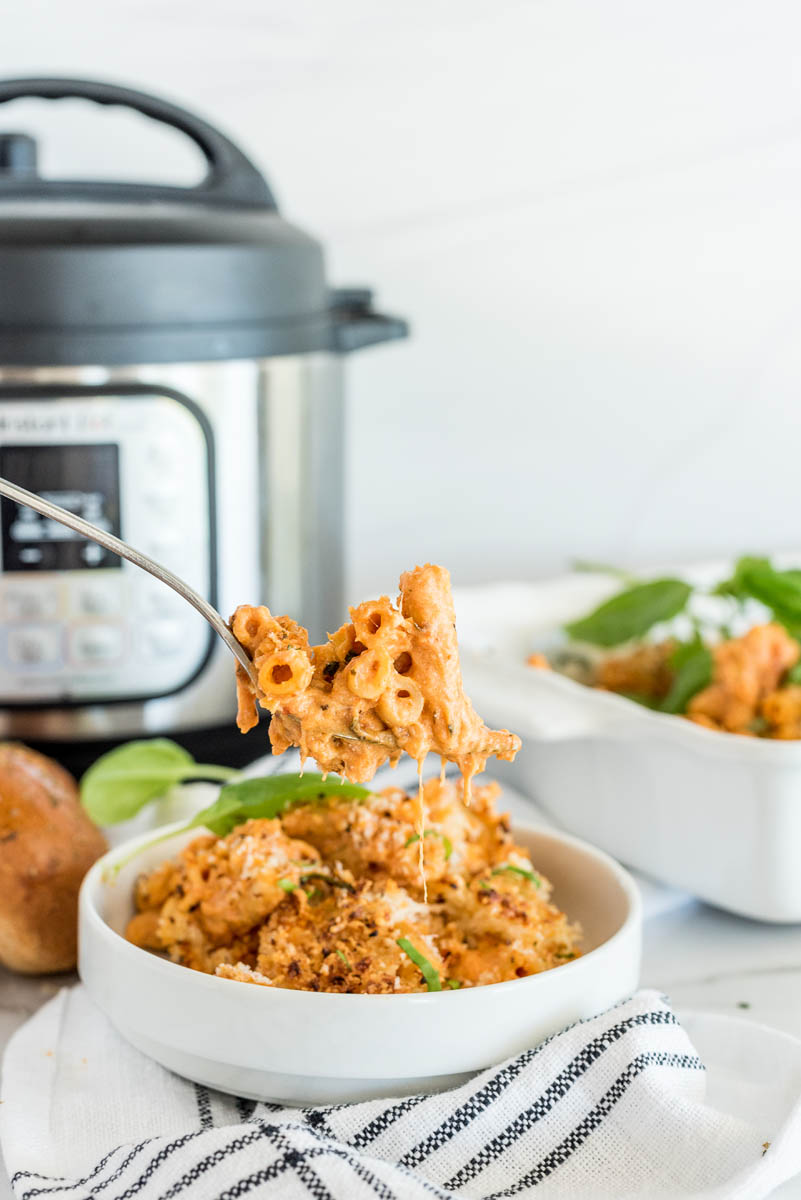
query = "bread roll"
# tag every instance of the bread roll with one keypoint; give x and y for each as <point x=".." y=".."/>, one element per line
<point x="47" y="844"/>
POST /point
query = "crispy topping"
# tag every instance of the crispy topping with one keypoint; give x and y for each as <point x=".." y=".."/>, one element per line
<point x="329" y="898"/>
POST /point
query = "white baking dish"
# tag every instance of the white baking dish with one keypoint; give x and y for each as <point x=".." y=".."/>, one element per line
<point x="713" y="813"/>
<point x="317" y="1048"/>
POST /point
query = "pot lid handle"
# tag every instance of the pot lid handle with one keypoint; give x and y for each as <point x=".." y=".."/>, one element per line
<point x="231" y="178"/>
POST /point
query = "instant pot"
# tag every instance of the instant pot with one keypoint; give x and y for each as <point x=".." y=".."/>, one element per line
<point x="170" y="369"/>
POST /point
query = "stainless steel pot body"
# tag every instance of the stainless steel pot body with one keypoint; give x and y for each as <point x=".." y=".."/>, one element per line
<point x="230" y="473"/>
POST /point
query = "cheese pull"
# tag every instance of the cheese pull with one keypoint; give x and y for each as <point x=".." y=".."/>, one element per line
<point x="388" y="682"/>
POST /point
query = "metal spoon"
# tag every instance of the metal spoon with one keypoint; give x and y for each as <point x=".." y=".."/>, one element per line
<point x="56" y="513"/>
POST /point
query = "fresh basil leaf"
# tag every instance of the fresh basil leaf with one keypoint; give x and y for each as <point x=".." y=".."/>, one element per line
<point x="631" y="613"/>
<point x="640" y="698"/>
<point x="333" y="880"/>
<point x="693" y="666"/>
<point x="453" y="983"/>
<point x="587" y="567"/>
<point x="446" y="841"/>
<point x="794" y="674"/>
<point x="252" y="799"/>
<point x="286" y="885"/>
<point x="511" y="869"/>
<point x="430" y="974"/>
<point x="780" y="591"/>
<point x="735" y="585"/>
<point x="123" y="781"/>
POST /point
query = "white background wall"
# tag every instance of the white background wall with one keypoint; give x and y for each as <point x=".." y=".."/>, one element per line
<point x="591" y="213"/>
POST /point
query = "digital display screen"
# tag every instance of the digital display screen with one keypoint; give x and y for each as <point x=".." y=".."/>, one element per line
<point x="83" y="479"/>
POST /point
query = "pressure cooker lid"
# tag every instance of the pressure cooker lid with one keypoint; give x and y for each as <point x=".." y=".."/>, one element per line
<point x="117" y="272"/>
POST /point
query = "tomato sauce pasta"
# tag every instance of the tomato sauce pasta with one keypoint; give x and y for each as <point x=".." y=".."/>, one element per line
<point x="387" y="682"/>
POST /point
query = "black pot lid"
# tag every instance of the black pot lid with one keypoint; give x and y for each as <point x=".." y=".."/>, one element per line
<point x="113" y="273"/>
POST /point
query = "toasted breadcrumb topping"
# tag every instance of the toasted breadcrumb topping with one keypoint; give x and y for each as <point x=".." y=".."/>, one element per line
<point x="319" y="899"/>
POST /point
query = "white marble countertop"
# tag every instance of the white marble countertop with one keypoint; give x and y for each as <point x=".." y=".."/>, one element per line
<point x="703" y="959"/>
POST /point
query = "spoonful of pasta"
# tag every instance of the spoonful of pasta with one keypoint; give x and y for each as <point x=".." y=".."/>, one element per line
<point x="390" y="677"/>
<point x="387" y="682"/>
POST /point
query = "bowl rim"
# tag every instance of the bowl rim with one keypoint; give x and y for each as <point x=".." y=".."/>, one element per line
<point x="91" y="918"/>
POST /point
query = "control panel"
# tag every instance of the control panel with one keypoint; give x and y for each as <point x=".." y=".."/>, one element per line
<point x="79" y="624"/>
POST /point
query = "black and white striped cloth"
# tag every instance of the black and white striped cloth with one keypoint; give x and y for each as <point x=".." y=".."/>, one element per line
<point x="611" y="1107"/>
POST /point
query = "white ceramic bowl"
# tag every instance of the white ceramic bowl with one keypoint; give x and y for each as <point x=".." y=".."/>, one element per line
<point x="712" y="813"/>
<point x="312" y="1047"/>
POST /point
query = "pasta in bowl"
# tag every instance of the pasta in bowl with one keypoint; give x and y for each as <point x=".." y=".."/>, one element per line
<point x="293" y="1045"/>
<point x="357" y="944"/>
<point x="329" y="897"/>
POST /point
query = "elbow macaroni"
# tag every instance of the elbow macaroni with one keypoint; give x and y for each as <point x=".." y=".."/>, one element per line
<point x="285" y="673"/>
<point x="386" y="682"/>
<point x="368" y="674"/>
<point x="401" y="703"/>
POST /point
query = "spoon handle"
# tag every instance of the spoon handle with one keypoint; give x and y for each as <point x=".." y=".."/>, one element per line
<point x="86" y="529"/>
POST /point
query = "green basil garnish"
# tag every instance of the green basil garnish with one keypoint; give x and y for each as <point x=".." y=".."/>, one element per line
<point x="511" y="869"/>
<point x="286" y="885"/>
<point x="586" y="566"/>
<point x="430" y="975"/>
<point x="794" y="674"/>
<point x="271" y="796"/>
<point x="780" y="591"/>
<point x="631" y="613"/>
<point x="332" y="879"/>
<point x="639" y="698"/>
<point x="122" y="782"/>
<point x="693" y="665"/>
<point x="264" y="798"/>
<point x="446" y="841"/>
<point x="736" y="586"/>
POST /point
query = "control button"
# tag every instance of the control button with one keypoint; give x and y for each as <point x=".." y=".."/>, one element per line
<point x="35" y="645"/>
<point x="35" y="602"/>
<point x="91" y="644"/>
<point x="92" y="554"/>
<point x="96" y="598"/>
<point x="164" y="637"/>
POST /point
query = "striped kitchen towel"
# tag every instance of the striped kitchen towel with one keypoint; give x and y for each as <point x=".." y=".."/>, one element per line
<point x="619" y="1105"/>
